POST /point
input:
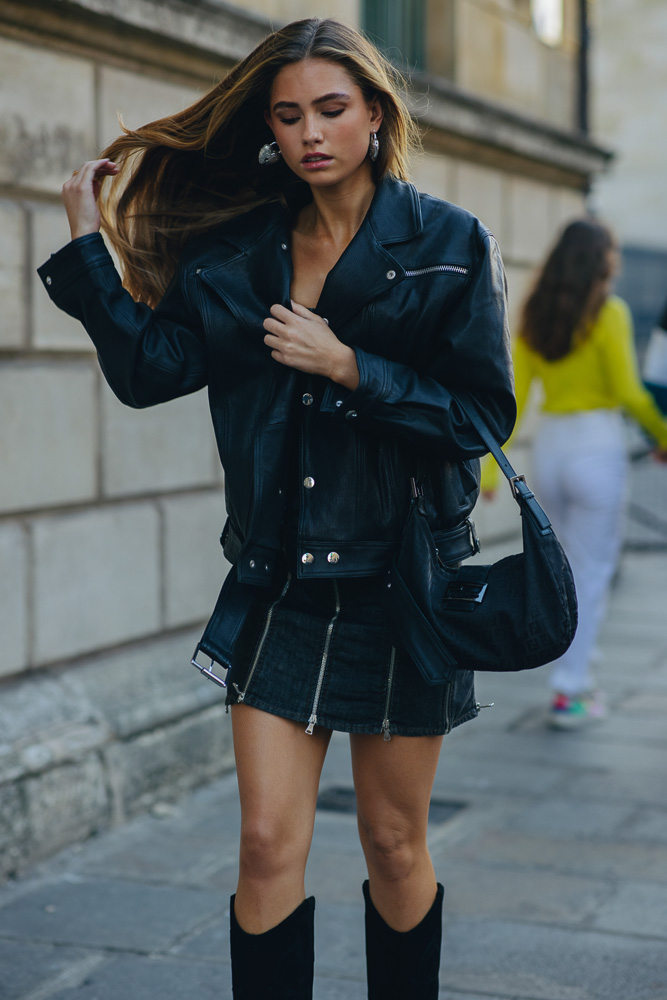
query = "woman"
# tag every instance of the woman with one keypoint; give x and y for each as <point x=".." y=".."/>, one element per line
<point x="576" y="340"/>
<point x="331" y="310"/>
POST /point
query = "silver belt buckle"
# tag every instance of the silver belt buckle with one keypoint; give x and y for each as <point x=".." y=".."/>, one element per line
<point x="207" y="671"/>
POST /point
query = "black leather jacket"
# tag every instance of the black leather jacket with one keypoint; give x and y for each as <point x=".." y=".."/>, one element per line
<point x="419" y="294"/>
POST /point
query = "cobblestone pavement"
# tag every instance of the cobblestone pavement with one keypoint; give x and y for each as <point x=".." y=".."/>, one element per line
<point x="552" y="847"/>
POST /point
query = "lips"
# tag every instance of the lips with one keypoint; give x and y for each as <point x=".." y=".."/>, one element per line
<point x="315" y="158"/>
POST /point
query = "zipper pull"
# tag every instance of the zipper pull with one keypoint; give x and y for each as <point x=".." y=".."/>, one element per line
<point x="489" y="705"/>
<point x="311" y="725"/>
<point x="240" y="693"/>
<point x="386" y="730"/>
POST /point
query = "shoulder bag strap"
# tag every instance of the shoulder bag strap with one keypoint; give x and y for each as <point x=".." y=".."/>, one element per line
<point x="523" y="495"/>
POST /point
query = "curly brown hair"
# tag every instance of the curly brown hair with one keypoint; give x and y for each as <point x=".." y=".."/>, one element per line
<point x="570" y="289"/>
<point x="193" y="170"/>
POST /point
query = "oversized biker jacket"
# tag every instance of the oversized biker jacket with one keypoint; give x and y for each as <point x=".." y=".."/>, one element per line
<point x="419" y="294"/>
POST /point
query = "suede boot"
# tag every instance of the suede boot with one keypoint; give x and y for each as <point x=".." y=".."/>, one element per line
<point x="276" y="965"/>
<point x="403" y="965"/>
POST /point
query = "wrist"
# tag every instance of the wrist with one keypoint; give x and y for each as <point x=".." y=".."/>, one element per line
<point x="345" y="370"/>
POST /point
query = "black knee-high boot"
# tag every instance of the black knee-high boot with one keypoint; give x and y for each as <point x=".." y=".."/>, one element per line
<point x="276" y="965"/>
<point x="403" y="965"/>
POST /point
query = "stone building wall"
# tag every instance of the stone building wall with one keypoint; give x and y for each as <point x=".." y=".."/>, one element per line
<point x="109" y="518"/>
<point x="629" y="72"/>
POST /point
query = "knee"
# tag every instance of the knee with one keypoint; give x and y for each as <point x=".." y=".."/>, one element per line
<point x="391" y="849"/>
<point x="267" y="851"/>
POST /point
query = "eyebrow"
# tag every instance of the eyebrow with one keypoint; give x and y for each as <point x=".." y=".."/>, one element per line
<point x="318" y="100"/>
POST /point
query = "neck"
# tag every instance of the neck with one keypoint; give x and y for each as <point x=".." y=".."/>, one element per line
<point x="336" y="213"/>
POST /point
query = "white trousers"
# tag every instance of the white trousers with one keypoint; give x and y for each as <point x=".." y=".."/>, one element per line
<point x="580" y="471"/>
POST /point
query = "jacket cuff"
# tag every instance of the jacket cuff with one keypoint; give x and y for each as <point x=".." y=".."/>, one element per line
<point x="63" y="268"/>
<point x="348" y="405"/>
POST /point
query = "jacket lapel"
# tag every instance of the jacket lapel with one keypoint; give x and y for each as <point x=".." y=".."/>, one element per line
<point x="255" y="271"/>
<point x="253" y="266"/>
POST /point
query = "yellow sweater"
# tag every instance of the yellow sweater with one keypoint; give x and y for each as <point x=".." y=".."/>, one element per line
<point x="599" y="373"/>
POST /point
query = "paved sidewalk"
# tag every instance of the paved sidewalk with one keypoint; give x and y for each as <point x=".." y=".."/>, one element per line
<point x="555" y="864"/>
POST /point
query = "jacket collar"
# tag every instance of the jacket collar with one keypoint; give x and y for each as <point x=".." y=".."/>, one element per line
<point x="256" y="272"/>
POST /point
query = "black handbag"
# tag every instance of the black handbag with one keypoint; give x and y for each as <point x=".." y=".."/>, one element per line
<point x="514" y="614"/>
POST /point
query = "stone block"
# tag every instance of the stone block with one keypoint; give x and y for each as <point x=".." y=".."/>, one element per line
<point x="431" y="173"/>
<point x="52" y="329"/>
<point x="530" y="229"/>
<point x="138" y="99"/>
<point x="97" y="579"/>
<point x="525" y="71"/>
<point x="481" y="190"/>
<point x="164" y="447"/>
<point x="54" y="408"/>
<point x="194" y="564"/>
<point x="281" y="11"/>
<point x="45" y="722"/>
<point x="47" y="115"/>
<point x="568" y="205"/>
<point x="141" y="688"/>
<point x="65" y="805"/>
<point x="519" y="283"/>
<point x="12" y="275"/>
<point x="38" y="970"/>
<point x="479" y="50"/>
<point x="13" y="830"/>
<point x="13" y="599"/>
<point x="168" y="761"/>
<point x="115" y="915"/>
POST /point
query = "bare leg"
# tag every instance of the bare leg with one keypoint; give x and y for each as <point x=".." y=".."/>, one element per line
<point x="278" y="768"/>
<point x="393" y="782"/>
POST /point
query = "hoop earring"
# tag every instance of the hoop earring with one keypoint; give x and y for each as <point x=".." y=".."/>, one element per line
<point x="373" y="147"/>
<point x="269" y="153"/>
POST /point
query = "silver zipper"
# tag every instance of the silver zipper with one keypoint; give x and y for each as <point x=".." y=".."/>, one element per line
<point x="258" y="651"/>
<point x="386" y="731"/>
<point x="449" y="268"/>
<point x="312" y="721"/>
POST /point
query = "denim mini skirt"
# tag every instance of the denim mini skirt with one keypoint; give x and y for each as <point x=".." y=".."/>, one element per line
<point x="321" y="652"/>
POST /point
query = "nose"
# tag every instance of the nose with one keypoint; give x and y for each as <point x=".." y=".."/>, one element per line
<point x="312" y="132"/>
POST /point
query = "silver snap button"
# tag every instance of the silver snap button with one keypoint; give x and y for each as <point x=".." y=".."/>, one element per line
<point x="283" y="246"/>
<point x="391" y="275"/>
<point x="351" y="414"/>
<point x="339" y="402"/>
<point x="333" y="557"/>
<point x="198" y="271"/>
<point x="252" y="564"/>
<point x="307" y="399"/>
<point x="309" y="482"/>
<point x="307" y="557"/>
<point x="267" y="567"/>
<point x="49" y="280"/>
<point x="325" y="320"/>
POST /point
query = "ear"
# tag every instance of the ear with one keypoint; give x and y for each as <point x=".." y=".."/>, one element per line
<point x="267" y="118"/>
<point x="376" y="112"/>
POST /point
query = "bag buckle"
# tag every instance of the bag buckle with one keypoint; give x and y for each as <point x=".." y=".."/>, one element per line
<point x="466" y="590"/>
<point x="474" y="537"/>
<point x="207" y="671"/>
<point x="513" y="484"/>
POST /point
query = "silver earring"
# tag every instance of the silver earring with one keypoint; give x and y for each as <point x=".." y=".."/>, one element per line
<point x="373" y="147"/>
<point x="269" y="153"/>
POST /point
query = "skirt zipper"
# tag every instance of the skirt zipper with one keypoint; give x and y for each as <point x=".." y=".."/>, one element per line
<point x="312" y="721"/>
<point x="258" y="652"/>
<point x="390" y="684"/>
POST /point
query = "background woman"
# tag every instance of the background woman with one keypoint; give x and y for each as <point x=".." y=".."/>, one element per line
<point x="331" y="310"/>
<point x="577" y="340"/>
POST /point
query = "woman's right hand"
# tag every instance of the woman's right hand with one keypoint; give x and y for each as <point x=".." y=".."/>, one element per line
<point x="80" y="195"/>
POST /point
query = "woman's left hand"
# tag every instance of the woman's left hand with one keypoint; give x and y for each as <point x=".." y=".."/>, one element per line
<point x="300" y="339"/>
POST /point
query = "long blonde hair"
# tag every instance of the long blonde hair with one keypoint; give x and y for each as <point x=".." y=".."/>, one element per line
<point x="191" y="171"/>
